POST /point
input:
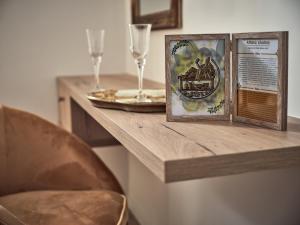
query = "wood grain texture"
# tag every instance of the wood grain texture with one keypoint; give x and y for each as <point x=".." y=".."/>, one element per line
<point x="171" y="18"/>
<point x="226" y="38"/>
<point x="182" y="151"/>
<point x="76" y="120"/>
<point x="257" y="105"/>
<point x="85" y="127"/>
<point x="2" y="131"/>
<point x="282" y="37"/>
<point x="3" y="164"/>
<point x="64" y="107"/>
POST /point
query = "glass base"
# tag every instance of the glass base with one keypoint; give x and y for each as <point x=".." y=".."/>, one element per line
<point x="143" y="98"/>
<point x="96" y="89"/>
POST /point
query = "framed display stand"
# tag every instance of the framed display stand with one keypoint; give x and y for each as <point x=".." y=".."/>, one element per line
<point x="198" y="78"/>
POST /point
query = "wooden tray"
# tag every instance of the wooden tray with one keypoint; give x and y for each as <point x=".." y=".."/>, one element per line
<point x="126" y="100"/>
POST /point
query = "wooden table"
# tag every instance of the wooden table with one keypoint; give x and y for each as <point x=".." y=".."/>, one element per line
<point x="175" y="151"/>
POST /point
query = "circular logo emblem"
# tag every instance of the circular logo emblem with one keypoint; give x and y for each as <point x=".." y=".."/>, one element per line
<point x="200" y="82"/>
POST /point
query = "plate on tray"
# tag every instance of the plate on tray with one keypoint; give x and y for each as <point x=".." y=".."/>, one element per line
<point x="126" y="100"/>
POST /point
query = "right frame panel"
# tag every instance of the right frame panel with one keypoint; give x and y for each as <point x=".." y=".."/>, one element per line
<point x="260" y="78"/>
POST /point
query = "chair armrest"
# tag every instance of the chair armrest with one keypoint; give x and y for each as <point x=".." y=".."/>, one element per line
<point x="7" y="218"/>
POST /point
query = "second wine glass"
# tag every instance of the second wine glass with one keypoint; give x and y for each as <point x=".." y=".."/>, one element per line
<point x="96" y="49"/>
<point x="139" y="47"/>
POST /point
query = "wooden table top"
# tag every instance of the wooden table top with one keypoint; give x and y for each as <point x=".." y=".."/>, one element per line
<point x="176" y="151"/>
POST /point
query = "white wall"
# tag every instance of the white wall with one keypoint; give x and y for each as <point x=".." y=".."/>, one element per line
<point x="260" y="198"/>
<point x="233" y="16"/>
<point x="40" y="39"/>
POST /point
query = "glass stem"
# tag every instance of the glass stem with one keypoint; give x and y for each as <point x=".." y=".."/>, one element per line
<point x="96" y="67"/>
<point x="140" y="67"/>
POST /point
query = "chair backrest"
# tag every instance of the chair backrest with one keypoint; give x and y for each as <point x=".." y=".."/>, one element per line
<point x="7" y="218"/>
<point x="37" y="155"/>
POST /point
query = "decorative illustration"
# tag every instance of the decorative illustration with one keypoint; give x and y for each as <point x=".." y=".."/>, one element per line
<point x="197" y="77"/>
<point x="200" y="83"/>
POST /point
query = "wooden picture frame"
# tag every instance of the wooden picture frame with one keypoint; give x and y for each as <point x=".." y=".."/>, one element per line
<point x="266" y="104"/>
<point x="166" y="19"/>
<point x="200" y="90"/>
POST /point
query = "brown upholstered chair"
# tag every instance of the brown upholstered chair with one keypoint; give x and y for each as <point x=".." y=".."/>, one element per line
<point x="50" y="177"/>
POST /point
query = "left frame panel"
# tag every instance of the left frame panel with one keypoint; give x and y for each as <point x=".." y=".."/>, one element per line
<point x="197" y="77"/>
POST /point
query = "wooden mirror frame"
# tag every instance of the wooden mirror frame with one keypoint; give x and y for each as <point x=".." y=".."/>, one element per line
<point x="171" y="18"/>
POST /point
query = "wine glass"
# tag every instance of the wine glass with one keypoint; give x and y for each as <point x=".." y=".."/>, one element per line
<point x="139" y="47"/>
<point x="96" y="46"/>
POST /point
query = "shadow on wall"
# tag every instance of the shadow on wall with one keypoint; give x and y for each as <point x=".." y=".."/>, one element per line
<point x="268" y="197"/>
<point x="258" y="198"/>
